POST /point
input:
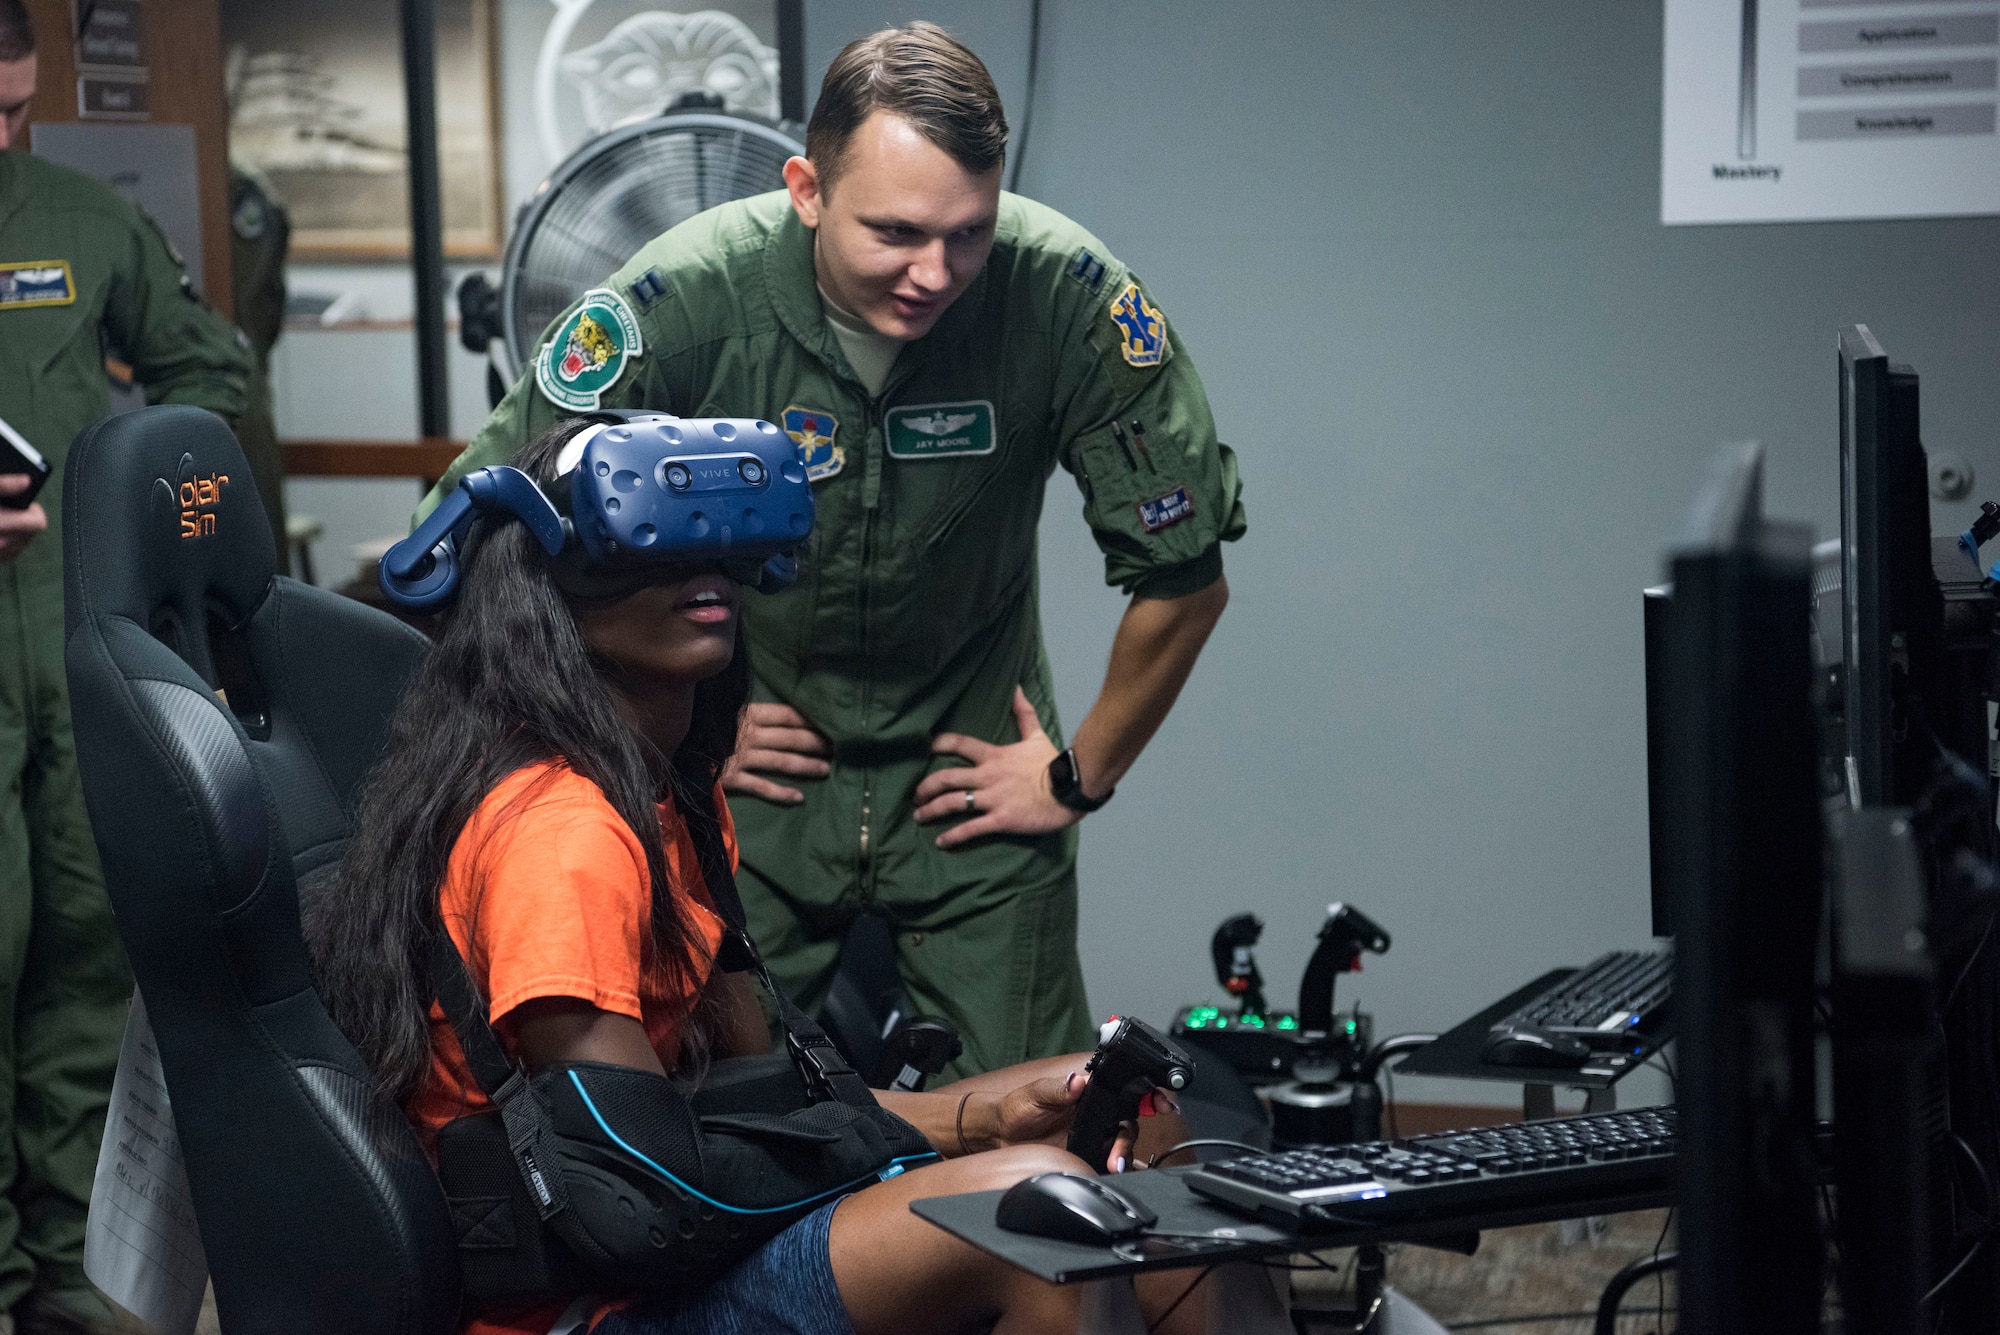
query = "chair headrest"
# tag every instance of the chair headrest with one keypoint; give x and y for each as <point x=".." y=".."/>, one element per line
<point x="161" y="505"/>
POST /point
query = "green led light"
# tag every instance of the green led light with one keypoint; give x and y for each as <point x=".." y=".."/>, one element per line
<point x="1351" y="1026"/>
<point x="1221" y="1022"/>
<point x="1254" y="1021"/>
<point x="1287" y="1022"/>
<point x="1196" y="1022"/>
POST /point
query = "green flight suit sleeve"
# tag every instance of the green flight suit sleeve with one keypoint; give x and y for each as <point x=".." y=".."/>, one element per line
<point x="1161" y="513"/>
<point x="526" y="412"/>
<point x="179" y="348"/>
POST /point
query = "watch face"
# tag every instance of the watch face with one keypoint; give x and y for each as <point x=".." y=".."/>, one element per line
<point x="1067" y="788"/>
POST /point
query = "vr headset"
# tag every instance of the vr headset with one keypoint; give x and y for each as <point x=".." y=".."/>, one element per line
<point x="639" y="491"/>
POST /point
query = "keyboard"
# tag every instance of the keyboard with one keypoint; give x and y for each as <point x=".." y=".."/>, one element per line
<point x="1488" y="1169"/>
<point x="1624" y="992"/>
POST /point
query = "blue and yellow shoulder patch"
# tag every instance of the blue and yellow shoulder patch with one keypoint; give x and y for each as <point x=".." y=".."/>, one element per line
<point x="588" y="352"/>
<point x="813" y="431"/>
<point x="1142" y="330"/>
<point x="36" y="283"/>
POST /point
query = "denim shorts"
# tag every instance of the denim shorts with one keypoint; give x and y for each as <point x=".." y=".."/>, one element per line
<point x="784" y="1287"/>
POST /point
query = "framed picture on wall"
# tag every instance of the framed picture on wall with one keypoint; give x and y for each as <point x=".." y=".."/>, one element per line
<point x="316" y="108"/>
<point x="606" y="63"/>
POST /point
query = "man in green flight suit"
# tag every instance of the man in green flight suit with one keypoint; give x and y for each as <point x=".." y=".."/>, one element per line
<point x="936" y="348"/>
<point x="260" y="237"/>
<point x="82" y="272"/>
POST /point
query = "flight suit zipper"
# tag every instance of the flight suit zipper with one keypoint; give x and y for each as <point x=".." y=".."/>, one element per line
<point x="867" y="878"/>
<point x="872" y="464"/>
<point x="871" y="492"/>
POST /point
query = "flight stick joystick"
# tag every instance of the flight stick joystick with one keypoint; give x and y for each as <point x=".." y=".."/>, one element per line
<point x="1319" y="1107"/>
<point x="1131" y="1061"/>
<point x="1236" y="964"/>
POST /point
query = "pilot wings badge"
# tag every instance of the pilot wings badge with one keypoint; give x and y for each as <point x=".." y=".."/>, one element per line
<point x="41" y="283"/>
<point x="813" y="430"/>
<point x="1142" y="329"/>
<point x="937" y="424"/>
<point x="941" y="430"/>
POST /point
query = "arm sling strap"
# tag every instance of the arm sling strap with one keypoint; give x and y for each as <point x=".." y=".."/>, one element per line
<point x="589" y="1177"/>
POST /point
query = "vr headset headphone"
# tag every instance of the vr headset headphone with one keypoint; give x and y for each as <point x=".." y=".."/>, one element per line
<point x="642" y="490"/>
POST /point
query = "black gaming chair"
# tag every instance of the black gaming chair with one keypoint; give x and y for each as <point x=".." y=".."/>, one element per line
<point x="224" y="721"/>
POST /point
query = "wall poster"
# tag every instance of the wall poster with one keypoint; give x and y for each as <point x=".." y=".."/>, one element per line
<point x="316" y="107"/>
<point x="1800" y="110"/>
<point x="606" y="63"/>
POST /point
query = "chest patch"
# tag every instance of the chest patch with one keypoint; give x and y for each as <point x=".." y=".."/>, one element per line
<point x="813" y="431"/>
<point x="36" y="283"/>
<point x="250" y="220"/>
<point x="1166" y="511"/>
<point x="588" y="351"/>
<point x="941" y="430"/>
<point x="1142" y="330"/>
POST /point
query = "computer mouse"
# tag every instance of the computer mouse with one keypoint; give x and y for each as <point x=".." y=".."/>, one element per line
<point x="1073" y="1209"/>
<point x="1529" y="1045"/>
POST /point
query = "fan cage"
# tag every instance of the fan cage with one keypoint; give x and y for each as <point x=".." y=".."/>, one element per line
<point x="614" y="195"/>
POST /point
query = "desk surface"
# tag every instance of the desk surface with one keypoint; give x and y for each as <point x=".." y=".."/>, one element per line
<point x="1213" y="1234"/>
<point x="1459" y="1052"/>
<point x="426" y="458"/>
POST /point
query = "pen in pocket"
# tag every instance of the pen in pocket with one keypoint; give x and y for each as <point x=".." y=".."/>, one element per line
<point x="1139" y="437"/>
<point x="1131" y="459"/>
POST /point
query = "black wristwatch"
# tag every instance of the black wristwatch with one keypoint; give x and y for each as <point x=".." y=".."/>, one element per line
<point x="1068" y="788"/>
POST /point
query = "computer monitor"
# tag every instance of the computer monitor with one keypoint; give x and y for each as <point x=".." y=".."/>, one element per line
<point x="1658" y="821"/>
<point x="1743" y="872"/>
<point x="1892" y="613"/>
<point x="1917" y="632"/>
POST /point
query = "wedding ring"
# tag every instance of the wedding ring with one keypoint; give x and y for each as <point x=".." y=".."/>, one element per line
<point x="971" y="800"/>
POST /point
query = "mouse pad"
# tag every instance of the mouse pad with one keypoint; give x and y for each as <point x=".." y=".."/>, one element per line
<point x="1214" y="1234"/>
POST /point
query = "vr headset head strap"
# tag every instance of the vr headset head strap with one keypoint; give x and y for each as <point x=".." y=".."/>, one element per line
<point x="422" y="569"/>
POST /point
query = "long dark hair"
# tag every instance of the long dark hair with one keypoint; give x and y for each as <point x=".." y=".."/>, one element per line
<point x="508" y="682"/>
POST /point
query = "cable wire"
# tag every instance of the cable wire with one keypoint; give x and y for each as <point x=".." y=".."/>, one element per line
<point x="1487" y="1323"/>
<point x="1205" y="1140"/>
<point x="1028" y="100"/>
<point x="1985" y="1211"/>
<point x="1659" y="1272"/>
<point x="1978" y="1246"/>
<point x="1161" y="1320"/>
<point x="1970" y="960"/>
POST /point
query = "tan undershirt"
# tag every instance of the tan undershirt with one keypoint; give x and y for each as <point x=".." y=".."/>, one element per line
<point x="871" y="354"/>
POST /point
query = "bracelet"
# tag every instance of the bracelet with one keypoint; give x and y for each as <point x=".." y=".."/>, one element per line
<point x="963" y="1148"/>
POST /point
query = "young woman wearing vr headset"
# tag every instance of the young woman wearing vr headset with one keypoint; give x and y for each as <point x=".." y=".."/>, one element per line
<point x="546" y="767"/>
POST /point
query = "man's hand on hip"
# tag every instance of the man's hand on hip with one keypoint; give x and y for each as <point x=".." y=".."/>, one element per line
<point x="18" y="527"/>
<point x="1004" y="791"/>
<point x="781" y="740"/>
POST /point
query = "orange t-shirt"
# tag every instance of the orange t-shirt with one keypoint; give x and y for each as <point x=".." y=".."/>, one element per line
<point x="546" y="894"/>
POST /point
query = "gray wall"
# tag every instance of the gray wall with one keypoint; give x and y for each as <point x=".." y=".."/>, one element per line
<point x="1414" y="247"/>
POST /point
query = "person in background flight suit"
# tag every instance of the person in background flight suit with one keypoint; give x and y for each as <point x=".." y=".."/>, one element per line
<point x="260" y="235"/>
<point x="936" y="347"/>
<point x="81" y="272"/>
